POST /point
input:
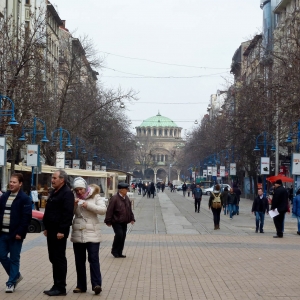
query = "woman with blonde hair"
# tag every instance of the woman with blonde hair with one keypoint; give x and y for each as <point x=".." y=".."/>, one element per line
<point x="86" y="234"/>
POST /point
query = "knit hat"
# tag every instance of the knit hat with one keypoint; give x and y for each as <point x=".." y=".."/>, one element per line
<point x="79" y="182"/>
<point x="278" y="181"/>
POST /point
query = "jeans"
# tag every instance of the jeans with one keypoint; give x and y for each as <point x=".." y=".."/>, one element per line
<point x="260" y="218"/>
<point x="80" y="250"/>
<point x="197" y="204"/>
<point x="298" y="218"/>
<point x="237" y="208"/>
<point x="231" y="209"/>
<point x="120" y="230"/>
<point x="10" y="264"/>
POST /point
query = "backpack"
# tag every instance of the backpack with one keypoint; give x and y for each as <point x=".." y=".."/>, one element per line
<point x="216" y="203"/>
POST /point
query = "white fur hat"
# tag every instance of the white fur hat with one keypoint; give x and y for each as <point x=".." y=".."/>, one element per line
<point x="79" y="182"/>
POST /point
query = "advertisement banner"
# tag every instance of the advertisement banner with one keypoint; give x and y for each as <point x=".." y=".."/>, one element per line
<point x="265" y="165"/>
<point x="204" y="173"/>
<point x="76" y="164"/>
<point x="296" y="164"/>
<point x="103" y="168"/>
<point x="97" y="167"/>
<point x="214" y="171"/>
<point x="60" y="160"/>
<point x="222" y="171"/>
<point x="2" y="151"/>
<point x="209" y="171"/>
<point x="89" y="165"/>
<point x="33" y="155"/>
<point x="232" y="169"/>
<point x="193" y="175"/>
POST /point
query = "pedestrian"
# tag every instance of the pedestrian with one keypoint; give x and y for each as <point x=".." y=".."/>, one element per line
<point x="163" y="185"/>
<point x="215" y="204"/>
<point x="152" y="189"/>
<point x="189" y="190"/>
<point x="144" y="189"/>
<point x="260" y="206"/>
<point x="231" y="201"/>
<point x="296" y="209"/>
<point x="57" y="221"/>
<point x="148" y="189"/>
<point x="197" y="195"/>
<point x="184" y="188"/>
<point x="238" y="193"/>
<point x="158" y="186"/>
<point x="291" y="194"/>
<point x="171" y="187"/>
<point x="118" y="215"/>
<point x="140" y="185"/>
<point x="34" y="197"/>
<point x="279" y="202"/>
<point x="224" y="197"/>
<point x="15" y="216"/>
<point x="193" y="186"/>
<point x="86" y="233"/>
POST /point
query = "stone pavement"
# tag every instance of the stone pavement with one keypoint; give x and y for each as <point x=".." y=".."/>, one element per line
<point x="174" y="253"/>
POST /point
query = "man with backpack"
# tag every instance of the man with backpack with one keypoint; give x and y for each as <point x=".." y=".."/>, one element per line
<point x="197" y="194"/>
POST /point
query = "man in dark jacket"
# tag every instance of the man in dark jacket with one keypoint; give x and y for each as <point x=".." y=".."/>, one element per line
<point x="238" y="193"/>
<point x="260" y="206"/>
<point x="15" y="216"/>
<point x="232" y="202"/>
<point x="184" y="188"/>
<point x="57" y="220"/>
<point x="197" y="194"/>
<point x="118" y="215"/>
<point x="279" y="201"/>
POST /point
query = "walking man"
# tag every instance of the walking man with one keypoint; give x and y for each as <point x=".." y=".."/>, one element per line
<point x="15" y="216"/>
<point x="197" y="194"/>
<point x="279" y="201"/>
<point x="118" y="215"/>
<point x="184" y="188"/>
<point x="259" y="208"/>
<point x="57" y="220"/>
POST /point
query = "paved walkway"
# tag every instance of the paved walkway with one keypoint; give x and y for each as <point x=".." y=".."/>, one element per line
<point x="174" y="253"/>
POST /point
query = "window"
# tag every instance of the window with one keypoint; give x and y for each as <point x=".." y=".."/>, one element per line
<point x="171" y="132"/>
<point x="154" y="131"/>
<point x="27" y="2"/>
<point x="160" y="132"/>
<point x="166" y="132"/>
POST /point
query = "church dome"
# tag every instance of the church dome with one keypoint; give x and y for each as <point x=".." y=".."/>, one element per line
<point x="158" y="121"/>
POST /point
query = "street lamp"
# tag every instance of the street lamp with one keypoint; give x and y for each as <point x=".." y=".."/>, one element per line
<point x="61" y="139"/>
<point x="79" y="144"/>
<point x="267" y="140"/>
<point x="291" y="134"/>
<point x="34" y="132"/>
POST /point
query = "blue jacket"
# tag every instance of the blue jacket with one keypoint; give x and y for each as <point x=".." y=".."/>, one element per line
<point x="20" y="215"/>
<point x="296" y="206"/>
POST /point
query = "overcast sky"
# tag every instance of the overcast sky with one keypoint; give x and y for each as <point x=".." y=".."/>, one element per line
<point x="145" y="41"/>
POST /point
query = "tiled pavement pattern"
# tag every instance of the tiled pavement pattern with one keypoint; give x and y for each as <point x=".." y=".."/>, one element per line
<point x="185" y="259"/>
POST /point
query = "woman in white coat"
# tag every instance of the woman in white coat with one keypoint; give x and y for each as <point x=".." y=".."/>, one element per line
<point x="86" y="234"/>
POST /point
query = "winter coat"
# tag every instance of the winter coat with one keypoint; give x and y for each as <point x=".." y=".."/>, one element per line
<point x="119" y="210"/>
<point x="86" y="225"/>
<point x="20" y="215"/>
<point x="224" y="197"/>
<point x="152" y="188"/>
<point x="184" y="187"/>
<point x="280" y="199"/>
<point x="212" y="197"/>
<point x="59" y="211"/>
<point x="296" y="205"/>
<point x="232" y="199"/>
<point x="197" y="192"/>
<point x="260" y="205"/>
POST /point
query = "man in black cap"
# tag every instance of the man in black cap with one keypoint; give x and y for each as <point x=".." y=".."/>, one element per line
<point x="118" y="215"/>
<point x="279" y="201"/>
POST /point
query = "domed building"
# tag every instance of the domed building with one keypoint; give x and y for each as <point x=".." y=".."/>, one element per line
<point x="159" y="143"/>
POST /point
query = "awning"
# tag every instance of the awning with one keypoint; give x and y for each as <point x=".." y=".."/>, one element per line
<point x="282" y="177"/>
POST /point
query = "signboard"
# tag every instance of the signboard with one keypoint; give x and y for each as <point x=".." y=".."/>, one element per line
<point x="205" y="173"/>
<point x="232" y="169"/>
<point x="76" y="164"/>
<point x="265" y="165"/>
<point x="209" y="171"/>
<point x="222" y="171"/>
<point x="103" y="168"/>
<point x="296" y="164"/>
<point x="2" y="151"/>
<point x="193" y="175"/>
<point x="33" y="155"/>
<point x="60" y="160"/>
<point x="97" y="167"/>
<point x="68" y="163"/>
<point x="89" y="165"/>
<point x="214" y="171"/>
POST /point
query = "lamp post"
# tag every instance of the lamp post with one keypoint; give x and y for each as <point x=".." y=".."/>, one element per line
<point x="264" y="139"/>
<point x="60" y="132"/>
<point x="9" y="112"/>
<point x="79" y="144"/>
<point x="34" y="132"/>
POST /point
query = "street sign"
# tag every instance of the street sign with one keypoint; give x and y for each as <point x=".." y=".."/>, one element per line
<point x="214" y="171"/>
<point x="2" y="151"/>
<point x="60" y="160"/>
<point x="89" y="165"/>
<point x="222" y="171"/>
<point x="296" y="164"/>
<point x="232" y="169"/>
<point x="265" y="165"/>
<point x="76" y="164"/>
<point x="33" y="155"/>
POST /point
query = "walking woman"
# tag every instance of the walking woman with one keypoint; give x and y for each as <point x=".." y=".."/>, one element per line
<point x="86" y="234"/>
<point x="215" y="204"/>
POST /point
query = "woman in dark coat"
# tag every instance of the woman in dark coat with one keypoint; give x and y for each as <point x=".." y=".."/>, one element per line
<point x="152" y="189"/>
<point x="216" y="211"/>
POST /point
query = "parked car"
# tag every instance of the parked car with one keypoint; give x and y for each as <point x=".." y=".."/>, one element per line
<point x="208" y="191"/>
<point x="36" y="225"/>
<point x="179" y="187"/>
